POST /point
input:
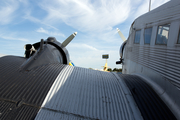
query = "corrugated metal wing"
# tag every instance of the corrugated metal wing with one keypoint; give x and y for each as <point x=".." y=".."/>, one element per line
<point x="24" y="91"/>
<point x="86" y="94"/>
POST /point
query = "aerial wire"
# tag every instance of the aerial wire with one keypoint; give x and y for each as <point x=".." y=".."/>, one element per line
<point x="149" y="5"/>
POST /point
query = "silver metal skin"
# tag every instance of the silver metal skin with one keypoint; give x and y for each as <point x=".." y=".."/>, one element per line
<point x="159" y="65"/>
<point x="80" y="93"/>
<point x="122" y="49"/>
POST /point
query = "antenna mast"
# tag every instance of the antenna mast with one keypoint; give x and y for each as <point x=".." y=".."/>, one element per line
<point x="149" y="5"/>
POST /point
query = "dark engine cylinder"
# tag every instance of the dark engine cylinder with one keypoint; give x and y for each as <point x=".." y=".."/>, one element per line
<point x="45" y="52"/>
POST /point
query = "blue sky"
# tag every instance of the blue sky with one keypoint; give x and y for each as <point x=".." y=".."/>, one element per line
<point x="27" y="21"/>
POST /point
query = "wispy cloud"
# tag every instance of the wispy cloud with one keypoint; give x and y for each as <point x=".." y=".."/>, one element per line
<point x="95" y="18"/>
<point x="84" y="47"/>
<point x="85" y="15"/>
<point x="13" y="38"/>
<point x="7" y="8"/>
<point x="42" y="30"/>
<point x="89" y="47"/>
<point x="36" y="20"/>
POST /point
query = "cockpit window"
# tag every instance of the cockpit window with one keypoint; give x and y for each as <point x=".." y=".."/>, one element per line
<point x="178" y="39"/>
<point x="147" y="35"/>
<point x="137" y="36"/>
<point x="162" y="35"/>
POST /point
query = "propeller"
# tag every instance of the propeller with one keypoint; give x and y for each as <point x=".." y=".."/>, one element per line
<point x="122" y="46"/>
<point x="69" y="39"/>
<point x="121" y="35"/>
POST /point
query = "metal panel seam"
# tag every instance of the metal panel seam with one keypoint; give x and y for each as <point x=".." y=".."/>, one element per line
<point x="133" y="106"/>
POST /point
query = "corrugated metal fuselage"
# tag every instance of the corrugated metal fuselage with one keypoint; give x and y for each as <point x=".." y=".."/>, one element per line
<point x="158" y="64"/>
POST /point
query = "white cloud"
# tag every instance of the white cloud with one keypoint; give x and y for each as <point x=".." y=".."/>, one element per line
<point x="36" y="20"/>
<point x="82" y="48"/>
<point x="96" y="19"/>
<point x="85" y="15"/>
<point x="41" y="30"/>
<point x="89" y="47"/>
<point x="13" y="38"/>
<point x="7" y="9"/>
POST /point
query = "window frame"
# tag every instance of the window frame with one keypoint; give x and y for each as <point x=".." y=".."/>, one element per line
<point x="144" y="35"/>
<point x="135" y="36"/>
<point x="158" y="31"/>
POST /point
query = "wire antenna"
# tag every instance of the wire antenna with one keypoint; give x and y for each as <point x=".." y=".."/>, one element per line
<point x="149" y="5"/>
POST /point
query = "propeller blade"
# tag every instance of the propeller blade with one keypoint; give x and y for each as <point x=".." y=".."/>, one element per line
<point x="121" y="35"/>
<point x="68" y="40"/>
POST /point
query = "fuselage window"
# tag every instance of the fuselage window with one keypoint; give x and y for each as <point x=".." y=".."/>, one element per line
<point x="137" y="36"/>
<point x="178" y="39"/>
<point x="147" y="35"/>
<point x="162" y="35"/>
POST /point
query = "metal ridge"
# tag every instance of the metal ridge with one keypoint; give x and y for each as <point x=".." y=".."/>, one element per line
<point x="80" y="93"/>
<point x="149" y="103"/>
<point x="24" y="88"/>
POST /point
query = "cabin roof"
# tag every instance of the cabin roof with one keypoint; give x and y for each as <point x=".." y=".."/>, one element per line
<point x="161" y="15"/>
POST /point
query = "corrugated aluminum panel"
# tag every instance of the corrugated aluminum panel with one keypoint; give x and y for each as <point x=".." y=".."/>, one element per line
<point x="10" y="111"/>
<point x="29" y="86"/>
<point x="26" y="90"/>
<point x="149" y="103"/>
<point x="80" y="93"/>
<point x="45" y="114"/>
<point x="162" y="60"/>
